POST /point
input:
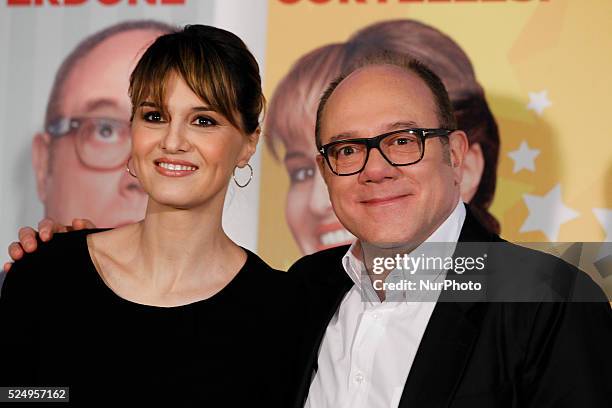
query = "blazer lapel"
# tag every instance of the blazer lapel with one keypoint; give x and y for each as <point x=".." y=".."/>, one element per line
<point x="447" y="343"/>
<point x="442" y="355"/>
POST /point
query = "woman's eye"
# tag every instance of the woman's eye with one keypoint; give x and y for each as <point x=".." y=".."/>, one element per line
<point x="152" y="116"/>
<point x="204" y="121"/>
<point x="301" y="174"/>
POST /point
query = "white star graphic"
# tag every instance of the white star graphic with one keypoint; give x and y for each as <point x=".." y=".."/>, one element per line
<point x="604" y="216"/>
<point x="547" y="213"/>
<point x="524" y="157"/>
<point x="538" y="101"/>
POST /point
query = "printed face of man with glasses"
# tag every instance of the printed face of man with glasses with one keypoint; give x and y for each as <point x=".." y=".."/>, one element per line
<point x="392" y="170"/>
<point x="80" y="158"/>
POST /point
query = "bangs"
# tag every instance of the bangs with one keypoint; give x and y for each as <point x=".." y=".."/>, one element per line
<point x="201" y="67"/>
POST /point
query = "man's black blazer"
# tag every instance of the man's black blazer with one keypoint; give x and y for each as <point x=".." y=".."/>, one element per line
<point x="484" y="354"/>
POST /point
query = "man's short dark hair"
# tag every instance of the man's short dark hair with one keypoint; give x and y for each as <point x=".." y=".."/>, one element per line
<point x="444" y="112"/>
<point x="84" y="48"/>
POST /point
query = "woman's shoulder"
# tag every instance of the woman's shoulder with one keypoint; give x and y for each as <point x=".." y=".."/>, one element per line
<point x="64" y="246"/>
<point x="269" y="288"/>
<point x="254" y="262"/>
<point x="261" y="270"/>
<point x="50" y="264"/>
<point x="266" y="278"/>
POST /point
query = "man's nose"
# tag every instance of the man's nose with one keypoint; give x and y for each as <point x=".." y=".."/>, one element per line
<point x="377" y="169"/>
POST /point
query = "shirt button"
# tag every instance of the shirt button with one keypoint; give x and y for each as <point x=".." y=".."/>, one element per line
<point x="375" y="316"/>
<point x="359" y="378"/>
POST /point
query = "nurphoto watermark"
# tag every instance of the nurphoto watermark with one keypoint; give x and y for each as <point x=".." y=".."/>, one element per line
<point x="488" y="272"/>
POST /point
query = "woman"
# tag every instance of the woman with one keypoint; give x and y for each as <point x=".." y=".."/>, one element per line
<point x="308" y="209"/>
<point x="168" y="310"/>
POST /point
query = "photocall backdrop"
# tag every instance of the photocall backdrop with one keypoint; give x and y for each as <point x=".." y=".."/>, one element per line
<point x="543" y="65"/>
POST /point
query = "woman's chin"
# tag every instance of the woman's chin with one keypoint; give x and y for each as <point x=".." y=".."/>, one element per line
<point x="175" y="203"/>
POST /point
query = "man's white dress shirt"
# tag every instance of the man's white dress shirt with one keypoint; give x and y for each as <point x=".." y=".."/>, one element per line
<point x="369" y="346"/>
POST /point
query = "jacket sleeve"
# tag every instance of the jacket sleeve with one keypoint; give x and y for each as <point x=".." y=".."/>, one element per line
<point x="568" y="362"/>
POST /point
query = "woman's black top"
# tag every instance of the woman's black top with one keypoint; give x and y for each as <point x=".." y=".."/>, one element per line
<point x="62" y="326"/>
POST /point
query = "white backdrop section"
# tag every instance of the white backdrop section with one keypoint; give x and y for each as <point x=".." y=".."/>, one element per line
<point x="33" y="43"/>
<point x="248" y="20"/>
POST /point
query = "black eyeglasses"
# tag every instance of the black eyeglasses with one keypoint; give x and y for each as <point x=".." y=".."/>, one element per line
<point x="400" y="148"/>
<point x="101" y="143"/>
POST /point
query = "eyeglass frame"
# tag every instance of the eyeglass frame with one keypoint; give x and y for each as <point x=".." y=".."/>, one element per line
<point x="64" y="126"/>
<point x="374" y="142"/>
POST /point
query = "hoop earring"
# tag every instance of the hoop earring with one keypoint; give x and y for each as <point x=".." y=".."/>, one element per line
<point x="127" y="168"/>
<point x="248" y="181"/>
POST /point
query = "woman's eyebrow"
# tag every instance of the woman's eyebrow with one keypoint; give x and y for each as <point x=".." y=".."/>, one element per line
<point x="202" y="109"/>
<point x="150" y="104"/>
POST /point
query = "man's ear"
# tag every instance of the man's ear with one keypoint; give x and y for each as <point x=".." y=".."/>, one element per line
<point x="41" y="153"/>
<point x="473" y="166"/>
<point x="458" y="147"/>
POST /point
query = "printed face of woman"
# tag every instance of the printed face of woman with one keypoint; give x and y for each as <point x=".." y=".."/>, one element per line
<point x="184" y="158"/>
<point x="308" y="210"/>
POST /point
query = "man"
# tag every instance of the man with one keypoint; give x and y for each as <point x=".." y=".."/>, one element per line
<point x="395" y="190"/>
<point x="80" y="158"/>
<point x="291" y="116"/>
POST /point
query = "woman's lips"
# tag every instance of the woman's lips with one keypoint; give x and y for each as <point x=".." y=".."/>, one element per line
<point x="175" y="168"/>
